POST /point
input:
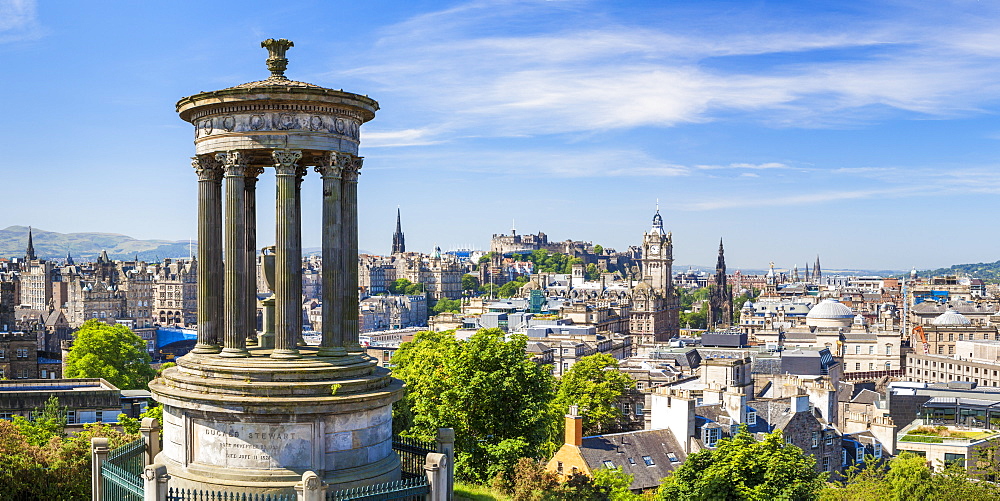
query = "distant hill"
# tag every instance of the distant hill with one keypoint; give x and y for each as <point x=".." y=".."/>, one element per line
<point x="988" y="272"/>
<point x="87" y="246"/>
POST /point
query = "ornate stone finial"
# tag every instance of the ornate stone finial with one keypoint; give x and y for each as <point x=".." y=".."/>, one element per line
<point x="276" y="60"/>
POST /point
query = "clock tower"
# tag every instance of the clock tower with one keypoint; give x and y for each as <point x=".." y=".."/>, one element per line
<point x="658" y="257"/>
<point x="654" y="302"/>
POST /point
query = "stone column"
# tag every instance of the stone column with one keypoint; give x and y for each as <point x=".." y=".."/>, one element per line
<point x="300" y="173"/>
<point x="209" y="254"/>
<point x="235" y="165"/>
<point x="350" y="169"/>
<point x="332" y="343"/>
<point x="250" y="209"/>
<point x="98" y="454"/>
<point x="288" y="256"/>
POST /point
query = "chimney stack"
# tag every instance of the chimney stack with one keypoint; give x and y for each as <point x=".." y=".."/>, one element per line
<point x="574" y="427"/>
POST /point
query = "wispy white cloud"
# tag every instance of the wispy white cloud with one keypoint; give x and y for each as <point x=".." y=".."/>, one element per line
<point x="18" y="20"/>
<point x="571" y="77"/>
<point x="798" y="199"/>
<point x="407" y="137"/>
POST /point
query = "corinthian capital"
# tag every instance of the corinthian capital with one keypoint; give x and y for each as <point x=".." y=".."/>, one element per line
<point x="285" y="161"/>
<point x="326" y="165"/>
<point x="234" y="162"/>
<point x="350" y="166"/>
<point x="207" y="168"/>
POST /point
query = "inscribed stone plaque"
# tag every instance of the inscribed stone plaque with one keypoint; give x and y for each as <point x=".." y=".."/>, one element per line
<point x="252" y="445"/>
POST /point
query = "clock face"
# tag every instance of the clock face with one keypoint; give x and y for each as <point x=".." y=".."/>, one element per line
<point x="653" y="249"/>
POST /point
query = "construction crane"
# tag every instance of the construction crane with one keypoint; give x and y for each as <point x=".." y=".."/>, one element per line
<point x="923" y="339"/>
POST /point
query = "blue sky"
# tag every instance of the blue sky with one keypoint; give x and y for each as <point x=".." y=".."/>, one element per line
<point x="866" y="132"/>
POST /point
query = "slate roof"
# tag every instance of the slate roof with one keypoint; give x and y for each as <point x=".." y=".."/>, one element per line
<point x="866" y="396"/>
<point x="619" y="447"/>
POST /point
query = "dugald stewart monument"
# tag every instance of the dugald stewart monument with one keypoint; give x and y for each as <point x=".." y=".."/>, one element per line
<point x="255" y="412"/>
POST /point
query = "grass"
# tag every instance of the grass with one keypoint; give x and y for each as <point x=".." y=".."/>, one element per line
<point x="470" y="492"/>
<point x="936" y="434"/>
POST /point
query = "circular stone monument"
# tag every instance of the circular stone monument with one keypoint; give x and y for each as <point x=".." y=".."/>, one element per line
<point x="244" y="413"/>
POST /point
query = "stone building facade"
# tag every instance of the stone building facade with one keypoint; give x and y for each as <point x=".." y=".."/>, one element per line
<point x="18" y="356"/>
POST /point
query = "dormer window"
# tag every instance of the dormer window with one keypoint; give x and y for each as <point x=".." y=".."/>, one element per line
<point x="648" y="460"/>
<point x="860" y="454"/>
<point x="710" y="436"/>
<point x="751" y="418"/>
<point x="878" y="451"/>
<point x="609" y="465"/>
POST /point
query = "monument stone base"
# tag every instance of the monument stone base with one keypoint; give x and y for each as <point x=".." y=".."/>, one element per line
<point x="257" y="424"/>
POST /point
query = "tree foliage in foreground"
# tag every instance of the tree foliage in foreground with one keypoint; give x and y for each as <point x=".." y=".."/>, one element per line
<point x="112" y="352"/>
<point x="495" y="398"/>
<point x="57" y="468"/>
<point x="741" y="468"/>
<point x="593" y="383"/>
<point x="909" y="479"/>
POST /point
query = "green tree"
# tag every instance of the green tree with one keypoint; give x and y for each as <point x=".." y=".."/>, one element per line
<point x="399" y="286"/>
<point x="444" y="304"/>
<point x="45" y="423"/>
<point x="908" y="478"/>
<point x="486" y="258"/>
<point x="595" y="384"/>
<point x="741" y="468"/>
<point x="112" y="352"/>
<point x="414" y="289"/>
<point x="470" y="282"/>
<point x="510" y="289"/>
<point x="591" y="272"/>
<point x="695" y="319"/>
<point x="598" y="249"/>
<point x="485" y="388"/>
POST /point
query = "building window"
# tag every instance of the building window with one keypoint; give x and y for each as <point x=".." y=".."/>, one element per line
<point x="871" y="366"/>
<point x="631" y="461"/>
<point x="70" y="417"/>
<point x="648" y="460"/>
<point x="45" y="374"/>
<point x="843" y="457"/>
<point x="99" y="416"/>
<point x="878" y="451"/>
<point x="857" y="366"/>
<point x="609" y="465"/>
<point x="710" y="436"/>
<point x="815" y="439"/>
<point x="829" y="438"/>
<point x="639" y="385"/>
<point x="559" y="467"/>
<point x="871" y="350"/>
<point x="950" y="459"/>
<point x="22" y="353"/>
<point x="788" y="439"/>
<point x="826" y="464"/>
<point x="940" y="350"/>
<point x="860" y="454"/>
<point x="626" y="408"/>
<point x="857" y="349"/>
<point x="751" y="418"/>
<point x="3" y="353"/>
<point x="888" y="349"/>
<point x="639" y="410"/>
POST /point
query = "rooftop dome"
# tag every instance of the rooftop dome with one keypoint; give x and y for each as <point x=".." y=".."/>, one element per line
<point x="951" y="317"/>
<point x="830" y="309"/>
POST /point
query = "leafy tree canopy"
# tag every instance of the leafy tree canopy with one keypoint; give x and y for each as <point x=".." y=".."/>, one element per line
<point x="594" y="384"/>
<point x="485" y="388"/>
<point x="470" y="282"/>
<point x="112" y="352"/>
<point x="445" y="304"/>
<point x="741" y="468"/>
<point x="908" y="478"/>
<point x="45" y="423"/>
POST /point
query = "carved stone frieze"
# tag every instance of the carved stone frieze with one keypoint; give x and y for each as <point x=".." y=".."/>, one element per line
<point x="348" y="127"/>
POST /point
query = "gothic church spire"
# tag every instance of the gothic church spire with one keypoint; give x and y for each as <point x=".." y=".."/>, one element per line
<point x="398" y="243"/>
<point x="30" y="254"/>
